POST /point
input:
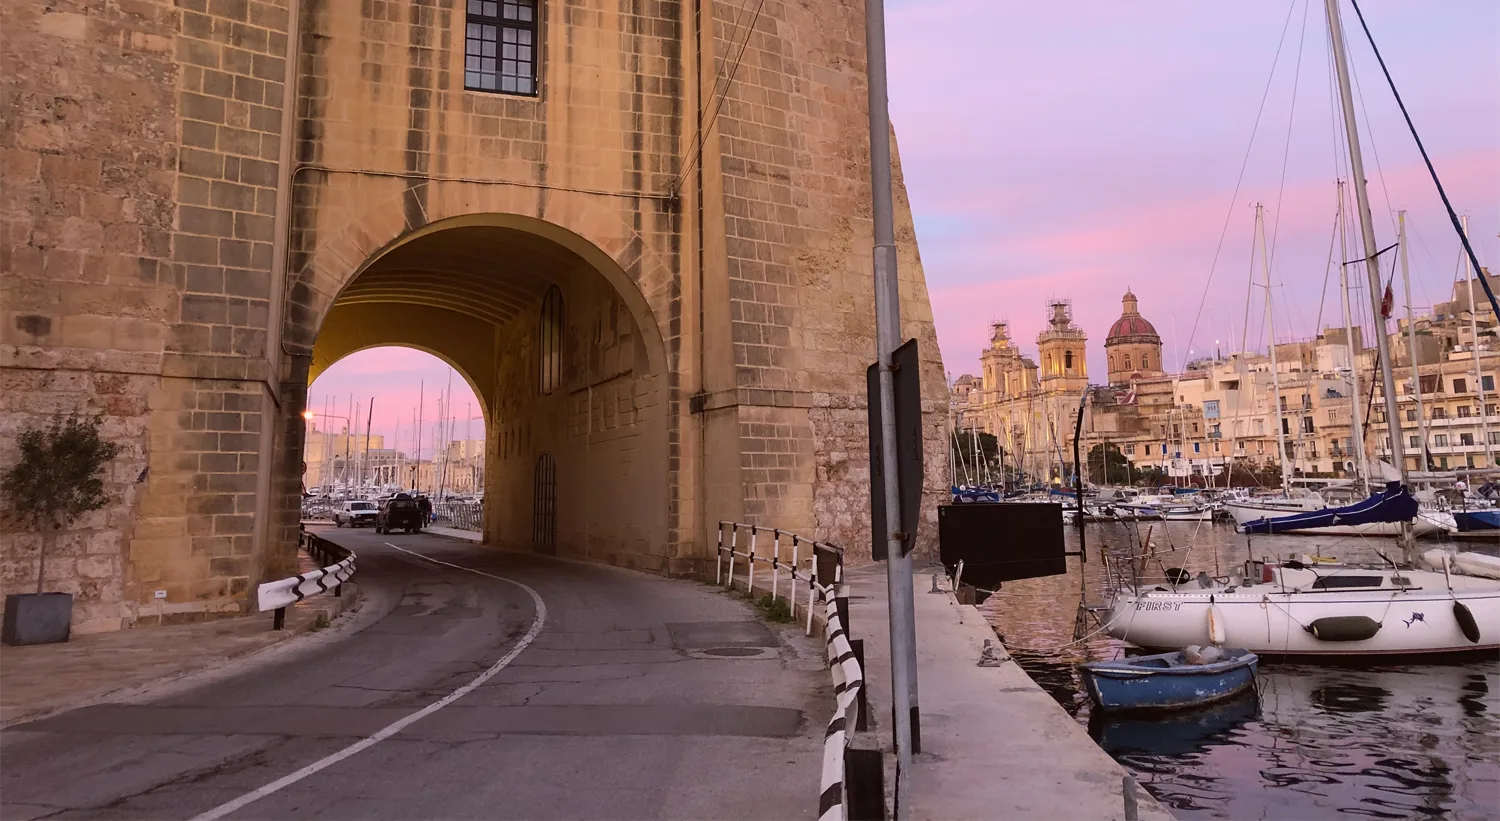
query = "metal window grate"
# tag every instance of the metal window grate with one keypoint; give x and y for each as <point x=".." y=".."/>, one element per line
<point x="549" y="342"/>
<point x="500" y="46"/>
<point x="544" y="505"/>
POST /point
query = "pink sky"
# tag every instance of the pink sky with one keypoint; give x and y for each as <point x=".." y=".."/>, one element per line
<point x="1073" y="149"/>
<point x="1076" y="149"/>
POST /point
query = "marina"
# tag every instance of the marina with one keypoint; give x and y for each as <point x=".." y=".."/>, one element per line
<point x="1312" y="740"/>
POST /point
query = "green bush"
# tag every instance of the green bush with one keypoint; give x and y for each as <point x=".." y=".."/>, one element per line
<point x="59" y="477"/>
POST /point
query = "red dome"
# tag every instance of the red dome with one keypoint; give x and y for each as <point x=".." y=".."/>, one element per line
<point x="1132" y="325"/>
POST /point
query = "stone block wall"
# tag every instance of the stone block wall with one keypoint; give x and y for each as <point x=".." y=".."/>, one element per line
<point x="140" y="144"/>
<point x="798" y="234"/>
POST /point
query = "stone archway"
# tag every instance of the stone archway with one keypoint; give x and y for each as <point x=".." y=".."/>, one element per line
<point x="469" y="289"/>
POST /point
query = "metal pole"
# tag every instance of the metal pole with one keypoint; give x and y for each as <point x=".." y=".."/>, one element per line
<point x="887" y="338"/>
<point x="1357" y="399"/>
<point x="1411" y="339"/>
<point x="1265" y="267"/>
<point x="1372" y="261"/>
<point x="1484" y="423"/>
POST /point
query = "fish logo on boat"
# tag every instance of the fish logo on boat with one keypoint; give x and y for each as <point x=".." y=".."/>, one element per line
<point x="1415" y="617"/>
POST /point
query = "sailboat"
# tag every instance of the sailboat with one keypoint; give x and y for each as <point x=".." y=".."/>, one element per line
<point x="1308" y="607"/>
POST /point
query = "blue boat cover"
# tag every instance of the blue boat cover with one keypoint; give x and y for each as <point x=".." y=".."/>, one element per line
<point x="1394" y="504"/>
<point x="974" y="494"/>
<point x="1470" y="521"/>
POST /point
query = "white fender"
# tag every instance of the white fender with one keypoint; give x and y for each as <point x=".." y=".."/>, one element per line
<point x="1215" y="624"/>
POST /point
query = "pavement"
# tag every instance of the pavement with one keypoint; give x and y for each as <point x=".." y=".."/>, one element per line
<point x="994" y="744"/>
<point x="39" y="680"/>
<point x="471" y="683"/>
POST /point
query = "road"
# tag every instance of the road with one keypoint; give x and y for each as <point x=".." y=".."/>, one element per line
<point x="597" y="693"/>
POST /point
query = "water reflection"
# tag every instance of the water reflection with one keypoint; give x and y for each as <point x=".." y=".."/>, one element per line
<point x="1321" y="742"/>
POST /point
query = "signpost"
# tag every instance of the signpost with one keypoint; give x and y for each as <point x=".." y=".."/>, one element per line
<point x="887" y="338"/>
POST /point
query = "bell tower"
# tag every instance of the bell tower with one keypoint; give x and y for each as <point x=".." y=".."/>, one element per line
<point x="1062" y="344"/>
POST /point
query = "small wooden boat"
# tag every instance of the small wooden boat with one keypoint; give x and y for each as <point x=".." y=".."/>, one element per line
<point x="1167" y="681"/>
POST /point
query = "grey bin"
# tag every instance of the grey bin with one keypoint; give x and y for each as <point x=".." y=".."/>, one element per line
<point x="37" y="618"/>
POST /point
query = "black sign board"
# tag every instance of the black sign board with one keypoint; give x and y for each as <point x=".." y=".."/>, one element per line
<point x="1002" y="541"/>
<point x="908" y="449"/>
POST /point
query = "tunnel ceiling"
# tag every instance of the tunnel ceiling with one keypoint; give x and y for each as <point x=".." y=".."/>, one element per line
<point x="485" y="272"/>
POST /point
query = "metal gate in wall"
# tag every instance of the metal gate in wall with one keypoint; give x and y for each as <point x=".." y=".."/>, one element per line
<point x="544" y="505"/>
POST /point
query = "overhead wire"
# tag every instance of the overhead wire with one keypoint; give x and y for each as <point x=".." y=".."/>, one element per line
<point x="1286" y="153"/>
<point x="717" y="103"/>
<point x="1452" y="215"/>
<point x="1239" y="180"/>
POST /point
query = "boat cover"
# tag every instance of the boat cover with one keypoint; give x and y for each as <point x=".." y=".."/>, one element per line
<point x="1394" y="504"/>
<point x="974" y="494"/>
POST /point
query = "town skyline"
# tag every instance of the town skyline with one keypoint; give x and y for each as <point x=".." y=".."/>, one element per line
<point x="1149" y="203"/>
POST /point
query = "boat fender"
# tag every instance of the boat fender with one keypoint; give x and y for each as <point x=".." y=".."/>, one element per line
<point x="1215" y="624"/>
<point x="1466" y="621"/>
<point x="1343" y="628"/>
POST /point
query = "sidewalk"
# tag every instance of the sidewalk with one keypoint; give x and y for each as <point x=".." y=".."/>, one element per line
<point x="994" y="745"/>
<point x="42" y="679"/>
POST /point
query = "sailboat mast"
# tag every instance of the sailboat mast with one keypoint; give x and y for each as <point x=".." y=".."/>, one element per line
<point x="1356" y="397"/>
<point x="1411" y="339"/>
<point x="1484" y="423"/>
<point x="1367" y="232"/>
<point x="1265" y="269"/>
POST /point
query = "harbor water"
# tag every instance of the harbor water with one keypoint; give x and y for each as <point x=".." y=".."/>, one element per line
<point x="1417" y="741"/>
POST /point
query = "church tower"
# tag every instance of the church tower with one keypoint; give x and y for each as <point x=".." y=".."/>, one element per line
<point x="1133" y="346"/>
<point x="1061" y="346"/>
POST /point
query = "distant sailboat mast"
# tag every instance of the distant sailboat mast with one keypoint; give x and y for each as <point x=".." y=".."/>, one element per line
<point x="1265" y="269"/>
<point x="1423" y="460"/>
<point x="1356" y="397"/>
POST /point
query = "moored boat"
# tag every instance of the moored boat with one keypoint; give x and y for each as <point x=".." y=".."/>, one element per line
<point x="1326" y="610"/>
<point x="1169" y="681"/>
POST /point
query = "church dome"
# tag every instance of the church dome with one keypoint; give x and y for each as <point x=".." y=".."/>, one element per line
<point x="1131" y="325"/>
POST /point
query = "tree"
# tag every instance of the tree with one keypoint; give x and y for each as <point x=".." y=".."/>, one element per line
<point x="963" y="446"/>
<point x="1108" y="466"/>
<point x="58" y="477"/>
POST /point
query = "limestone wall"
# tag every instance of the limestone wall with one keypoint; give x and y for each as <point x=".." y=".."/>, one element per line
<point x="716" y="250"/>
<point x="795" y="164"/>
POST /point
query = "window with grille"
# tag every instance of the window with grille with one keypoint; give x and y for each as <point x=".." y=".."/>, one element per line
<point x="549" y="342"/>
<point x="500" y="46"/>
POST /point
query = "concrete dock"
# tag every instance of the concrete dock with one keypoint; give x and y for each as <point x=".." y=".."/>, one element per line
<point x="994" y="745"/>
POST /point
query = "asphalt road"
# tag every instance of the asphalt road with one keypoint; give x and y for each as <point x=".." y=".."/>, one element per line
<point x="621" y="696"/>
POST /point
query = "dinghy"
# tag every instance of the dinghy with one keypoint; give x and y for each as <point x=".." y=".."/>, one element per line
<point x="1170" y="681"/>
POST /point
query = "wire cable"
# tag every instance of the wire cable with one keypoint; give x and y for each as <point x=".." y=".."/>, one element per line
<point x="1245" y="163"/>
<point x="1452" y="215"/>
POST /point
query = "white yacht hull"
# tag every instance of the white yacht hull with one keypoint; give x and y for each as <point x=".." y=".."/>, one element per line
<point x="1265" y="619"/>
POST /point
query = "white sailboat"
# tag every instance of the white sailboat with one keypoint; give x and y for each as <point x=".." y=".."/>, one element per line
<point x="1312" y="608"/>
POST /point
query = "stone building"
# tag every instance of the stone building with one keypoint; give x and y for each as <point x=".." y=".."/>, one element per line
<point x="640" y="232"/>
<point x="1133" y="346"/>
<point x="1030" y="408"/>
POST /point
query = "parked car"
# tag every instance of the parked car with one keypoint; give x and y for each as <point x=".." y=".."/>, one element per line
<point x="400" y="511"/>
<point x="355" y="513"/>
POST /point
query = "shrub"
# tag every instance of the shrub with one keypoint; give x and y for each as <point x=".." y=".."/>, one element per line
<point x="58" y="477"/>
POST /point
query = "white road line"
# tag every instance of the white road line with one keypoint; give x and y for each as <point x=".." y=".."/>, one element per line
<point x="401" y="724"/>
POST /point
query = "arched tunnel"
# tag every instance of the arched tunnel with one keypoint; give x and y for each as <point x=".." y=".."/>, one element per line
<point x="565" y="357"/>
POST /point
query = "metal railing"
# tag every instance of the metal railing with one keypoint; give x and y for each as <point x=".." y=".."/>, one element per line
<point x="335" y="566"/>
<point x="461" y="515"/>
<point x="829" y="570"/>
<point x="852" y="779"/>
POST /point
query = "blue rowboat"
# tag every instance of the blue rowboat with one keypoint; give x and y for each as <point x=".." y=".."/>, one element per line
<point x="1166" y="681"/>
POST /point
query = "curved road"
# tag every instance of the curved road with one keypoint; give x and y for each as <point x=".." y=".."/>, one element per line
<point x="636" y="697"/>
